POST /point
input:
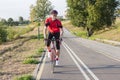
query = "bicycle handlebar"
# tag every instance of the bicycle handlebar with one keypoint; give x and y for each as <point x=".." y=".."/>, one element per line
<point x="53" y="39"/>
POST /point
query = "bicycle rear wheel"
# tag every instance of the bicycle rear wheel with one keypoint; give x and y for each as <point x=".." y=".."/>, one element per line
<point x="52" y="66"/>
<point x="53" y="61"/>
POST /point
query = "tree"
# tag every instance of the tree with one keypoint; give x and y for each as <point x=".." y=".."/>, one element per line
<point x="77" y="12"/>
<point x="10" y="22"/>
<point x="3" y="22"/>
<point x="92" y="14"/>
<point x="41" y="10"/>
<point x="100" y="14"/>
<point x="15" y="23"/>
<point x="21" y="20"/>
<point x="32" y="13"/>
<point x="118" y="12"/>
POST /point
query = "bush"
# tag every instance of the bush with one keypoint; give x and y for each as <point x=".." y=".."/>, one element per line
<point x="12" y="34"/>
<point x="24" y="77"/>
<point x="30" y="61"/>
<point x="39" y="51"/>
<point x="3" y="35"/>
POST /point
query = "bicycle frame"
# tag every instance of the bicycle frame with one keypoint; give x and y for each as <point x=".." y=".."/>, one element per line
<point x="53" y="52"/>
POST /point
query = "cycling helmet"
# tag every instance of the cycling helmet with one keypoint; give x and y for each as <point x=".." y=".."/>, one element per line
<point x="53" y="12"/>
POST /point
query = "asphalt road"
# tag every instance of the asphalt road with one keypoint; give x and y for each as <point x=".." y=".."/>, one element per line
<point x="83" y="59"/>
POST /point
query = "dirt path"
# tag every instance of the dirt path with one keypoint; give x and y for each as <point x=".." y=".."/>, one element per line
<point x="11" y="62"/>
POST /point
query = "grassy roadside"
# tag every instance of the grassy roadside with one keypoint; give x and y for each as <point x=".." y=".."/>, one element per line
<point x="22" y="60"/>
<point x="109" y="34"/>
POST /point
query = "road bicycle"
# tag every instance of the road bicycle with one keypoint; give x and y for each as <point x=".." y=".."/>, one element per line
<point x="53" y="53"/>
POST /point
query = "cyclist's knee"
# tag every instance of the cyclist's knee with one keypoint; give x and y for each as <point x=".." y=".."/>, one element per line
<point x="58" y="51"/>
<point x="48" y="43"/>
<point x="58" y="46"/>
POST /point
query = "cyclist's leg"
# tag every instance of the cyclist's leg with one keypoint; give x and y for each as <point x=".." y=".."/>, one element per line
<point x="57" y="36"/>
<point x="48" y="43"/>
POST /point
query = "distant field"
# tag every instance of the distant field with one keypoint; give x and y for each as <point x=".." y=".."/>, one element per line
<point x="110" y="34"/>
<point x="17" y="31"/>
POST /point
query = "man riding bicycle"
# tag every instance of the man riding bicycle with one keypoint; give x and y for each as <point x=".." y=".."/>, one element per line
<point x="55" y="29"/>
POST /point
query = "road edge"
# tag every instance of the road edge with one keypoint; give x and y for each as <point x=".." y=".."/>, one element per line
<point x="36" y="70"/>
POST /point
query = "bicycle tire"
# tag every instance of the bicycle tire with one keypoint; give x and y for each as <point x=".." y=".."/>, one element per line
<point x="53" y="66"/>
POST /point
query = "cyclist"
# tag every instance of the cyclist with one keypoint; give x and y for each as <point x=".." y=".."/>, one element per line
<point x="55" y="29"/>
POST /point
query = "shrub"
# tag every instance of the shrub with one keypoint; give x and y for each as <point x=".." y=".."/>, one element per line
<point x="39" y="51"/>
<point x="24" y="77"/>
<point x="12" y="34"/>
<point x="3" y="35"/>
<point x="30" y="61"/>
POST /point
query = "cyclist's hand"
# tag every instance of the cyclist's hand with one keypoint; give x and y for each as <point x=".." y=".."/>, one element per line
<point x="61" y="39"/>
<point x="45" y="39"/>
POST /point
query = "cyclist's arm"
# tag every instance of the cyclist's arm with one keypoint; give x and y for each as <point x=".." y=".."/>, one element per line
<point x="47" y="23"/>
<point x="45" y="32"/>
<point x="61" y="29"/>
<point x="61" y="32"/>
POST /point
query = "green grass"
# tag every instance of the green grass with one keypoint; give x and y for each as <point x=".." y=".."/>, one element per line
<point x="33" y="56"/>
<point x="82" y="34"/>
<point x="78" y="31"/>
<point x="41" y="36"/>
<point x="112" y="33"/>
<point x="24" y="77"/>
<point x="37" y="54"/>
<point x="39" y="51"/>
<point x="30" y="61"/>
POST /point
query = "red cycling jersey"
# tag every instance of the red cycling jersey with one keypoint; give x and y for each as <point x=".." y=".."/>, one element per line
<point x="53" y="26"/>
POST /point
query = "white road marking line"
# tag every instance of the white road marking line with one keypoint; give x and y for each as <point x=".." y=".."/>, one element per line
<point x="79" y="67"/>
<point x="91" y="73"/>
<point x="41" y="69"/>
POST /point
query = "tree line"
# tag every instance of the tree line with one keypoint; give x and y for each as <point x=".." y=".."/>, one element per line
<point x="92" y="14"/>
<point x="12" y="22"/>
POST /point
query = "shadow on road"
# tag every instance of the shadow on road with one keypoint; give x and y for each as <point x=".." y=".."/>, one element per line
<point x="50" y="79"/>
<point x="106" y="67"/>
<point x="69" y="37"/>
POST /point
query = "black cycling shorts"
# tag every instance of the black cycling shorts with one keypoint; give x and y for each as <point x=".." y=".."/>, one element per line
<point x="57" y="36"/>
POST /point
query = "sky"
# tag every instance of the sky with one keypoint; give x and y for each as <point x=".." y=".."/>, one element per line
<point x="16" y="8"/>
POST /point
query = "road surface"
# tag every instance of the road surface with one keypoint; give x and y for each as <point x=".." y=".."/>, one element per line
<point x="83" y="59"/>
